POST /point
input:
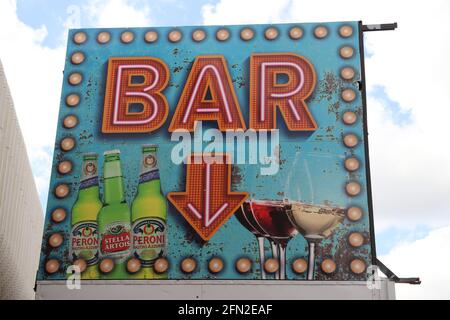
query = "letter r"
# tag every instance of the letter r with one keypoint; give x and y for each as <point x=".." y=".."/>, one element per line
<point x="267" y="94"/>
<point x="135" y="81"/>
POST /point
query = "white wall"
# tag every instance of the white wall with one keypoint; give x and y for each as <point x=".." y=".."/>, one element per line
<point x="21" y="218"/>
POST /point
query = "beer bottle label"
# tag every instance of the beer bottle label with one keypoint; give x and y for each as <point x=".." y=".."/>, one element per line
<point x="89" y="175"/>
<point x="149" y="240"/>
<point x="90" y="182"/>
<point x="116" y="240"/>
<point x="149" y="170"/>
<point x="84" y="242"/>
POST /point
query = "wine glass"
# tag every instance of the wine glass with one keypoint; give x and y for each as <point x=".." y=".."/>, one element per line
<point x="245" y="217"/>
<point x="270" y="215"/>
<point x="267" y="219"/>
<point x="307" y="187"/>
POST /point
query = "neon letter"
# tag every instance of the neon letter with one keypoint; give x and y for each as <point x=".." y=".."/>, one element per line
<point x="135" y="81"/>
<point x="208" y="95"/>
<point x="266" y="93"/>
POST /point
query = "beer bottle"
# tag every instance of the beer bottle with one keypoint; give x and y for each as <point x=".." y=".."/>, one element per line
<point x="148" y="216"/>
<point x="83" y="235"/>
<point x="114" y="218"/>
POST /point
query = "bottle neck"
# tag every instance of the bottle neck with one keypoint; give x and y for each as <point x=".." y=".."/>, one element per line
<point x="149" y="187"/>
<point x="149" y="178"/>
<point x="89" y="193"/>
<point x="113" y="182"/>
<point x="89" y="179"/>
<point x="114" y="190"/>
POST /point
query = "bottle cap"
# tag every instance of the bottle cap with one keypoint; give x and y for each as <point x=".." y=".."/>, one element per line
<point x="111" y="152"/>
<point x="150" y="146"/>
<point x="90" y="155"/>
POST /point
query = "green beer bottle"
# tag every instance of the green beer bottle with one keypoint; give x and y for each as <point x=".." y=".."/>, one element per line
<point x="148" y="216"/>
<point x="114" y="218"/>
<point x="83" y="235"/>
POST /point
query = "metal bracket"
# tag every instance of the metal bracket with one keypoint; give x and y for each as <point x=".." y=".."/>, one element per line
<point x="393" y="277"/>
<point x="366" y="28"/>
<point x="379" y="27"/>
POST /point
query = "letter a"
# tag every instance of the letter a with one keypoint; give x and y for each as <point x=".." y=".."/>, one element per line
<point x="208" y="95"/>
<point x="266" y="93"/>
<point x="138" y="82"/>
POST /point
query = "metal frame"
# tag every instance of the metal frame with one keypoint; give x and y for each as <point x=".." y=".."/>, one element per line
<point x="379" y="27"/>
<point x="393" y="277"/>
<point x="367" y="28"/>
<point x="366" y="142"/>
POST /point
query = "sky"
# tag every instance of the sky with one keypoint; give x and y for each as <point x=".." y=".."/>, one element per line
<point x="408" y="78"/>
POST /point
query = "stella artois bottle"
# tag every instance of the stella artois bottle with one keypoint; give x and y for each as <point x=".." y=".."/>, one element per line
<point x="83" y="235"/>
<point x="148" y="216"/>
<point x="114" y="218"/>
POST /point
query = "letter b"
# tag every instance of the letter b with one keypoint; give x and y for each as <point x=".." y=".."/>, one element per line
<point x="135" y="82"/>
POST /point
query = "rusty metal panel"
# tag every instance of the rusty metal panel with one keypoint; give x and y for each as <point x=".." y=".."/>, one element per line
<point x="320" y="189"/>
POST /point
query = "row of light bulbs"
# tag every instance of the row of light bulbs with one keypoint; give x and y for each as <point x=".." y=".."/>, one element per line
<point x="223" y="34"/>
<point x="189" y="265"/>
<point x="215" y="265"/>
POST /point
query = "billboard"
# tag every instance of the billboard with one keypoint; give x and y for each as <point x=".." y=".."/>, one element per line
<point x="212" y="152"/>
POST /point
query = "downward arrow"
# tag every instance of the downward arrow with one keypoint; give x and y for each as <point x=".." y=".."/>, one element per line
<point x="208" y="202"/>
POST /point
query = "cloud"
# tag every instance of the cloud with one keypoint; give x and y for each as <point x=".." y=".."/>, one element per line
<point x="41" y="160"/>
<point x="396" y="113"/>
<point x="34" y="71"/>
<point x="118" y="13"/>
<point x="388" y="238"/>
<point x="237" y="11"/>
<point x="408" y="76"/>
<point x="34" y="74"/>
<point x="426" y="258"/>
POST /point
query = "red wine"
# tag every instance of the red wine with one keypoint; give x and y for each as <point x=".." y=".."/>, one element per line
<point x="245" y="217"/>
<point x="268" y="219"/>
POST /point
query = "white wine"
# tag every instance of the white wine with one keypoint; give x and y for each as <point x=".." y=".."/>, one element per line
<point x="315" y="221"/>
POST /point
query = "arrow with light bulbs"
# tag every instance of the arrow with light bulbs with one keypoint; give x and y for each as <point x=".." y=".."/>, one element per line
<point x="208" y="201"/>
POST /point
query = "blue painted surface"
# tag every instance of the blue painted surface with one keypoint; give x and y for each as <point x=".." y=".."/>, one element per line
<point x="322" y="149"/>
